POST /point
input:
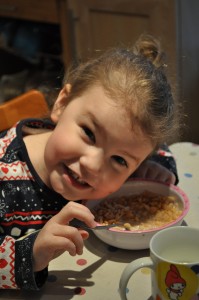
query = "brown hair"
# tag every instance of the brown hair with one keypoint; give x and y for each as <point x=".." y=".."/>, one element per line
<point x="135" y="78"/>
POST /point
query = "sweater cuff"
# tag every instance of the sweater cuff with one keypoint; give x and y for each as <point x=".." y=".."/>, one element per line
<point x="25" y="277"/>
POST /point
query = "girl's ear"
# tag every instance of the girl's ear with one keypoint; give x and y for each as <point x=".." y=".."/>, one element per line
<point x="60" y="103"/>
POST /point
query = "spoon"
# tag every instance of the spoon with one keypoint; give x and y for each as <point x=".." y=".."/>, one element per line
<point x="79" y="224"/>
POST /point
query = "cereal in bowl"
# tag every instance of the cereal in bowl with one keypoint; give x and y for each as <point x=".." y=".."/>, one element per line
<point x="138" y="212"/>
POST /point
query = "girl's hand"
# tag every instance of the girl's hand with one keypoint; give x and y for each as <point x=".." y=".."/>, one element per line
<point x="154" y="171"/>
<point x="57" y="237"/>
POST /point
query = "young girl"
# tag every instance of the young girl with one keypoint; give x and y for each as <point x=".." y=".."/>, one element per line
<point x="111" y="114"/>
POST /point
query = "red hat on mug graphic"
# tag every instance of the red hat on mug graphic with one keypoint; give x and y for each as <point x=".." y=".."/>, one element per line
<point x="173" y="276"/>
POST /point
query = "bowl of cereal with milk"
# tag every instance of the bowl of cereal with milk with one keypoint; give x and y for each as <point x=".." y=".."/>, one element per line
<point x="139" y="209"/>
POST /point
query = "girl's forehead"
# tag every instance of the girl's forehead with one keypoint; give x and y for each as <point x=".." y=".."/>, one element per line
<point x="102" y="107"/>
<point x="97" y="97"/>
<point x="106" y="111"/>
<point x="115" y="123"/>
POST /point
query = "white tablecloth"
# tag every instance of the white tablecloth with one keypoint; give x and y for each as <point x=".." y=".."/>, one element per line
<point x="95" y="274"/>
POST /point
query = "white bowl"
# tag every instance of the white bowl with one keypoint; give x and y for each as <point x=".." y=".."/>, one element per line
<point x="139" y="239"/>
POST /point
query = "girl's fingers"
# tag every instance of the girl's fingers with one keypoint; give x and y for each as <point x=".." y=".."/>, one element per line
<point x="155" y="171"/>
<point x="54" y="239"/>
<point x="64" y="244"/>
<point x="74" y="210"/>
<point x="68" y="236"/>
<point x="84" y="234"/>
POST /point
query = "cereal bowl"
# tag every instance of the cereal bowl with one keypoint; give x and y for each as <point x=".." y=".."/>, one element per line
<point x="140" y="208"/>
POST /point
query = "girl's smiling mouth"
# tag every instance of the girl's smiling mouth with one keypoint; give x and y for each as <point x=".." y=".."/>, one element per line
<point x="74" y="179"/>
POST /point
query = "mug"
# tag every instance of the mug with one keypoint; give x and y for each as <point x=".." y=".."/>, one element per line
<point x="174" y="261"/>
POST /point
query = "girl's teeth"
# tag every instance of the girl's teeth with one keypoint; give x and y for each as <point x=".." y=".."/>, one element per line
<point x="81" y="181"/>
<point x="76" y="177"/>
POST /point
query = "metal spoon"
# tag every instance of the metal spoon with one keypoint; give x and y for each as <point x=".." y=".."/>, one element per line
<point x="79" y="224"/>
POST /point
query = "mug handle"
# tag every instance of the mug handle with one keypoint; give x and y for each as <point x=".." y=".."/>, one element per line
<point x="129" y="270"/>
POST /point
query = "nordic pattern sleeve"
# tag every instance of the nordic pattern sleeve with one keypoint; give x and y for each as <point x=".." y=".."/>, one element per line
<point x="16" y="264"/>
<point x="164" y="156"/>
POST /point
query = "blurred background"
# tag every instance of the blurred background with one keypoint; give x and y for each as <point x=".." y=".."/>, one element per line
<point x="39" y="40"/>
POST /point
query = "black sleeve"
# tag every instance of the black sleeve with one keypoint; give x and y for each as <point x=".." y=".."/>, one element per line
<point x="25" y="277"/>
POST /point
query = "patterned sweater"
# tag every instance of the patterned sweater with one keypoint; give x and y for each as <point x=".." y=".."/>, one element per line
<point x="26" y="204"/>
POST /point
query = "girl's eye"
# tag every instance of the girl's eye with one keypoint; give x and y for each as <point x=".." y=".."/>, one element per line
<point x="121" y="161"/>
<point x="89" y="133"/>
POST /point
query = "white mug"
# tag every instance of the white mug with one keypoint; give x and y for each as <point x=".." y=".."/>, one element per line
<point x="174" y="261"/>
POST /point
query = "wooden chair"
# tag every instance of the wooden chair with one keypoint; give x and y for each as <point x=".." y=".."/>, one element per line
<point x="31" y="104"/>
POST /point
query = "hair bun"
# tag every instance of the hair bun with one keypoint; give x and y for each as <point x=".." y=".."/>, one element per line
<point x="150" y="47"/>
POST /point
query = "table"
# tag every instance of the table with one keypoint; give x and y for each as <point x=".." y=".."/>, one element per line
<point x="95" y="274"/>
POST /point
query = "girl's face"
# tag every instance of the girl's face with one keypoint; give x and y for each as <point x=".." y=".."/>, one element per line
<point x="92" y="150"/>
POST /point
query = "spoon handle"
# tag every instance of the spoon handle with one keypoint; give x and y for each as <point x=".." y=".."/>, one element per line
<point x="79" y="224"/>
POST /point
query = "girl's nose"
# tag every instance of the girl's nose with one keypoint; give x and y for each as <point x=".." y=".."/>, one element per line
<point x="93" y="161"/>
